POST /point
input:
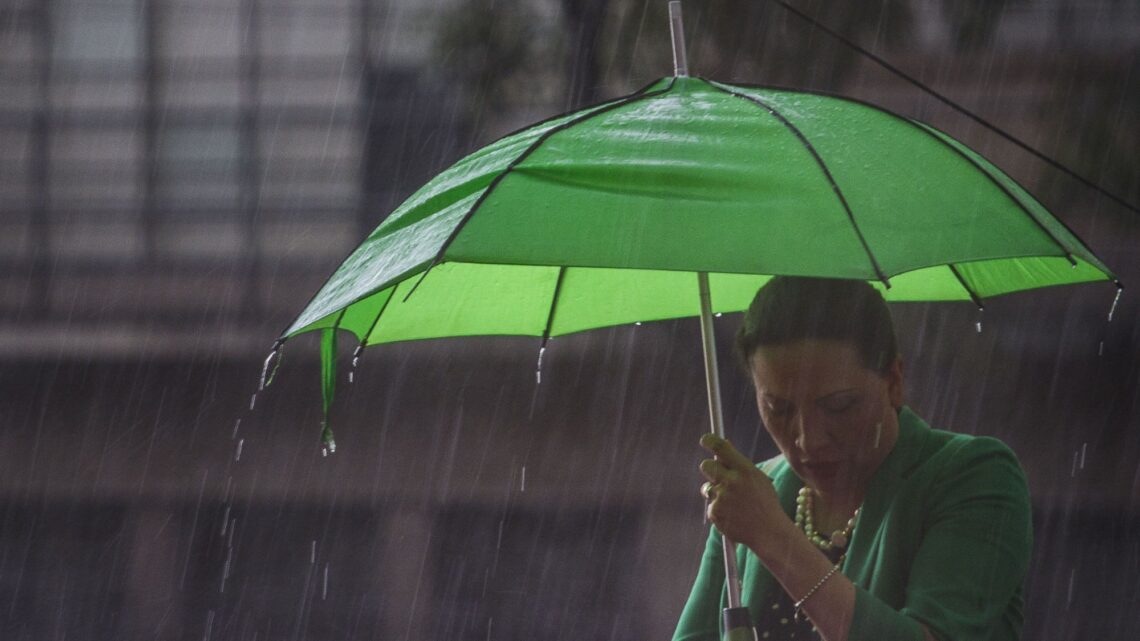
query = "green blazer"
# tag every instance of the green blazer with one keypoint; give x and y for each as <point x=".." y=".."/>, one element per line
<point x="944" y="538"/>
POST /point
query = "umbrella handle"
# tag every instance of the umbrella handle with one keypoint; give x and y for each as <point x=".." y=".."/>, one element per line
<point x="716" y="415"/>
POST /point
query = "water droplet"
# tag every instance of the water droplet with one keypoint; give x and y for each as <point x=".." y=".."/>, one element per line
<point x="978" y="324"/>
<point x="237" y="455"/>
<point x="522" y="485"/>
<point x="252" y="401"/>
<point x="538" y="369"/>
<point x="225" y="574"/>
<point x="355" y="362"/>
<point x="1112" y="310"/>
<point x="266" y="375"/>
<point x="237" y="424"/>
<point x="313" y="552"/>
<point x="1100" y="350"/>
<point x="638" y="323"/>
<point x="325" y="587"/>
<point x="1084" y="451"/>
<point x="719" y="314"/>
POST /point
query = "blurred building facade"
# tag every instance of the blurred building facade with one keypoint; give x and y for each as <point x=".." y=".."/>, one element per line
<point x="177" y="177"/>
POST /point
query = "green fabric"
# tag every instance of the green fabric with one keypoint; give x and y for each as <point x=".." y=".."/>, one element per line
<point x="328" y="384"/>
<point x="944" y="538"/>
<point x="636" y="196"/>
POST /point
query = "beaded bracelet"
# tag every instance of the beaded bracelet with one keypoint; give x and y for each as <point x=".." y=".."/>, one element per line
<point x="799" y="604"/>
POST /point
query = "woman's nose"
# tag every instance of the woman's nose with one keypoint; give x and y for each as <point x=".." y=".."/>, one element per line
<point x="809" y="437"/>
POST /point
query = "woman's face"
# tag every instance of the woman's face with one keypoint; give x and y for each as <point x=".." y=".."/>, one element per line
<point x="833" y="419"/>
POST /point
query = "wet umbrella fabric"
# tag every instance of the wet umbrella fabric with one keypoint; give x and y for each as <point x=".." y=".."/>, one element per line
<point x="604" y="216"/>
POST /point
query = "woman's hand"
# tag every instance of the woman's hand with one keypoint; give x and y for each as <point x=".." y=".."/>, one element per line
<point x="741" y="500"/>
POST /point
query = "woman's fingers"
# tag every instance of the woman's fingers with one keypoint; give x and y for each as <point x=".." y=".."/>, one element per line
<point x="715" y="472"/>
<point x="726" y="453"/>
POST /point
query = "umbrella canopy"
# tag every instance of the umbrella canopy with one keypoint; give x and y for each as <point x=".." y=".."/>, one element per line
<point x="603" y="216"/>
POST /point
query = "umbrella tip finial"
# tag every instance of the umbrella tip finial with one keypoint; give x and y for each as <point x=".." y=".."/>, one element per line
<point x="677" y="31"/>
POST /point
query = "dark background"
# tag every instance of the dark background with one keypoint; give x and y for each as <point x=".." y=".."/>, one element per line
<point x="177" y="178"/>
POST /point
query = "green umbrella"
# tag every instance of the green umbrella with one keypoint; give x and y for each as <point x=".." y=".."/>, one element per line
<point x="681" y="199"/>
<point x="605" y="216"/>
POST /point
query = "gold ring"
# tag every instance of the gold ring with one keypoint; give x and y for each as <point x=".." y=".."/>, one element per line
<point x="708" y="491"/>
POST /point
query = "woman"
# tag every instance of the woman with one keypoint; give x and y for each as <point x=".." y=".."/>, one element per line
<point x="870" y="525"/>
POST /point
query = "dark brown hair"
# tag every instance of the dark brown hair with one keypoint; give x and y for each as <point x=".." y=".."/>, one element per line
<point x="788" y="309"/>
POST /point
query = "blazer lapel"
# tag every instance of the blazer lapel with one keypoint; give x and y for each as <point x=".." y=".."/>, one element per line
<point x="881" y="491"/>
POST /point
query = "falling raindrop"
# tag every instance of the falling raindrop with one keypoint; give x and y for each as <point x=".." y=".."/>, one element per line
<point x="225" y="573"/>
<point x="355" y="361"/>
<point x="209" y="625"/>
<point x="237" y="455"/>
<point x="1100" y="350"/>
<point x="328" y="443"/>
<point x="325" y="586"/>
<point x="237" y="424"/>
<point x="225" y="520"/>
<point x="538" y="370"/>
<point x="522" y="485"/>
<point x="266" y="375"/>
<point x="313" y="552"/>
<point x="1112" y="310"/>
<point x="1084" y="450"/>
<point x="252" y="401"/>
<point x="978" y="323"/>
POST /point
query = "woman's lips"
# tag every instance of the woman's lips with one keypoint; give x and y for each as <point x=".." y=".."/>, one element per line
<point x="822" y="469"/>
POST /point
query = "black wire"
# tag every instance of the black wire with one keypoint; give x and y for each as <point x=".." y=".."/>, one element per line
<point x="955" y="106"/>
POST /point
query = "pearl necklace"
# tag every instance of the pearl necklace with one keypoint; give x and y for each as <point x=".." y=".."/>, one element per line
<point x="838" y="539"/>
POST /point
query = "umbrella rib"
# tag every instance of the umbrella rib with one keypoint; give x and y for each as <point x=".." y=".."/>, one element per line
<point x="518" y="160"/>
<point x="961" y="279"/>
<point x="930" y="131"/>
<point x="1006" y="191"/>
<point x="553" y="305"/>
<point x="934" y="134"/>
<point x="823" y="167"/>
<point x="368" y="334"/>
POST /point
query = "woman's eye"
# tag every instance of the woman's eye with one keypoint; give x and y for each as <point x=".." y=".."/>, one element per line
<point x="840" y="404"/>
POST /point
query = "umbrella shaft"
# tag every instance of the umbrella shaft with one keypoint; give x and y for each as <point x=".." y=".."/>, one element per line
<point x="708" y="339"/>
<point x="716" y="415"/>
